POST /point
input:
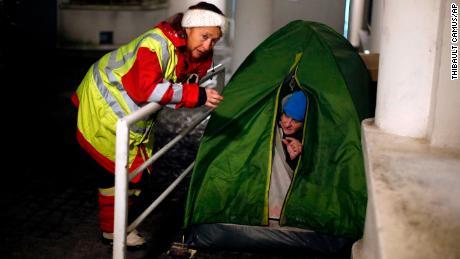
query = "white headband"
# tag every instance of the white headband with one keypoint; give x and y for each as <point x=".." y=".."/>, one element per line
<point x="203" y="18"/>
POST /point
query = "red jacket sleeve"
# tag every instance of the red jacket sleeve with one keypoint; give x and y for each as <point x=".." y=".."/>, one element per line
<point x="144" y="83"/>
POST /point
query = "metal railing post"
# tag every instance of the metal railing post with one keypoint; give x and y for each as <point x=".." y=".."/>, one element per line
<point x="160" y="198"/>
<point x="220" y="80"/>
<point x="121" y="187"/>
<point x="122" y="166"/>
<point x="121" y="177"/>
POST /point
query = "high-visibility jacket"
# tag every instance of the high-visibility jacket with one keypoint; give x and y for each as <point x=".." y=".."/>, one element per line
<point x="148" y="69"/>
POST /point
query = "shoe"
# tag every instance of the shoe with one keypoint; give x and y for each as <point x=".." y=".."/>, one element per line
<point x="133" y="241"/>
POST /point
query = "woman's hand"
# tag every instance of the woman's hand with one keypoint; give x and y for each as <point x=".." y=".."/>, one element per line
<point x="293" y="146"/>
<point x="213" y="98"/>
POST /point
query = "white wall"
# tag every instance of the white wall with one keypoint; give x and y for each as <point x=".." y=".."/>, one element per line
<point x="179" y="6"/>
<point x="329" y="12"/>
<point x="252" y="26"/>
<point x="445" y="117"/>
<point x="80" y="28"/>
<point x="355" y="21"/>
<point x="375" y="28"/>
<point x="257" y="19"/>
<point x="412" y="209"/>
<point x="443" y="125"/>
<point x="408" y="52"/>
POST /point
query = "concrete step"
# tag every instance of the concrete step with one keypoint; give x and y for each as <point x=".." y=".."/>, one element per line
<point x="413" y="189"/>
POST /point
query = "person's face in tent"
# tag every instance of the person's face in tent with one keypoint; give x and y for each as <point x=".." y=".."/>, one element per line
<point x="289" y="125"/>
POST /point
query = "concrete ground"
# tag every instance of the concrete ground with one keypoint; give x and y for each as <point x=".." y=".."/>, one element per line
<point x="48" y="191"/>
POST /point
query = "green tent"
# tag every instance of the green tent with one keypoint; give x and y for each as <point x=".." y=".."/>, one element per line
<point x="231" y="178"/>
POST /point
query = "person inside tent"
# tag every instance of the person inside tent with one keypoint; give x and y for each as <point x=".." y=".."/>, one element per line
<point x="155" y="67"/>
<point x="286" y="152"/>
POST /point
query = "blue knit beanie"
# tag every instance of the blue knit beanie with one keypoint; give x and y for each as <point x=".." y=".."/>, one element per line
<point x="295" y="106"/>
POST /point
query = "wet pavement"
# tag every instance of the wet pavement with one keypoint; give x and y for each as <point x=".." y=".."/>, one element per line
<point x="48" y="191"/>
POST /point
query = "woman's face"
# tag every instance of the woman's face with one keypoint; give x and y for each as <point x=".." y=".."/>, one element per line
<point x="289" y="125"/>
<point x="201" y="40"/>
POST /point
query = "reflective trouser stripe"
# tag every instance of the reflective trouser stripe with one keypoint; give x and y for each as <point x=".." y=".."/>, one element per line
<point x="111" y="191"/>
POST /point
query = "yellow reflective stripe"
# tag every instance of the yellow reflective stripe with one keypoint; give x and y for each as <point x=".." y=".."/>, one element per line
<point x="164" y="49"/>
<point x="111" y="191"/>
<point x="135" y="192"/>
<point x="145" y="157"/>
<point x="114" y="64"/>
<point x="107" y="191"/>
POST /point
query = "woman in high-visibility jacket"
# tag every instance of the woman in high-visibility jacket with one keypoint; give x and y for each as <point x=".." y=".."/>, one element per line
<point x="154" y="67"/>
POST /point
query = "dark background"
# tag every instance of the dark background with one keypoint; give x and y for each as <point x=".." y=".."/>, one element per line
<point x="48" y="190"/>
<point x="36" y="79"/>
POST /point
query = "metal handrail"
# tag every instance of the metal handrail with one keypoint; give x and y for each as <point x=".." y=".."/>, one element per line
<point x="121" y="165"/>
<point x="160" y="198"/>
<point x="170" y="144"/>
